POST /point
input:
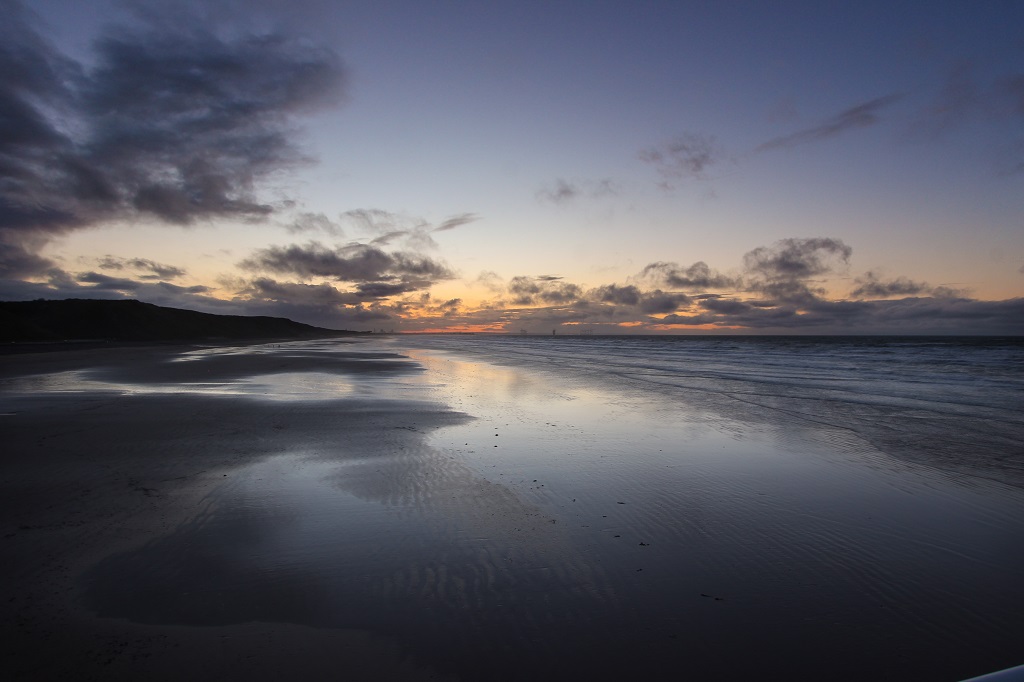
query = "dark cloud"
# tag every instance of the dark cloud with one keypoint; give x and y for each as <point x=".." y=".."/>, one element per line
<point x="174" y="288"/>
<point x="184" y="123"/>
<point x="658" y="302"/>
<point x="612" y="293"/>
<point x="932" y="315"/>
<point x="318" y="304"/>
<point x="546" y="289"/>
<point x="870" y="285"/>
<point x="631" y="297"/>
<point x="696" y="276"/>
<point x="727" y="306"/>
<point x="155" y="270"/>
<point x="169" y="121"/>
<point x="685" y="158"/>
<point x="784" y="267"/>
<point x="385" y="289"/>
<point x="265" y="288"/>
<point x="449" y="310"/>
<point x="101" y="281"/>
<point x="777" y="295"/>
<point x="784" y="271"/>
<point x="860" y="116"/>
<point x="360" y="263"/>
<point x="967" y="315"/>
<point x="18" y="257"/>
<point x="60" y="285"/>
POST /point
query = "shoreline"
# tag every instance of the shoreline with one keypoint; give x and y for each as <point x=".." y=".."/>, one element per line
<point x="71" y="345"/>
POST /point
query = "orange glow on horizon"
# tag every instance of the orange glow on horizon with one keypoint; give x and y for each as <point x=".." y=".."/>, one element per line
<point x="680" y="327"/>
<point x="482" y="328"/>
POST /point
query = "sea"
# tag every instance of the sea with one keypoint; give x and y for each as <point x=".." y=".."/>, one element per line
<point x="952" y="402"/>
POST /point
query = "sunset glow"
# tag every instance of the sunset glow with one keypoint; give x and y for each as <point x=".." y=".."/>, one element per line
<point x="662" y="168"/>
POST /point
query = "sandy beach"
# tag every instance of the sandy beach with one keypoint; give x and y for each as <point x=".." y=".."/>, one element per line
<point x="376" y="510"/>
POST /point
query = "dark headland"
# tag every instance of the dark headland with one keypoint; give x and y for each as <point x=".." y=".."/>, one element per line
<point x="130" y="321"/>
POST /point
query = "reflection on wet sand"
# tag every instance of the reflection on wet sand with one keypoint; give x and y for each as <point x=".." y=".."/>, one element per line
<point x="425" y="552"/>
<point x="496" y="523"/>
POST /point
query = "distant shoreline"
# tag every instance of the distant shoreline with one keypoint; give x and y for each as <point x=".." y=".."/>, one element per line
<point x="27" y="347"/>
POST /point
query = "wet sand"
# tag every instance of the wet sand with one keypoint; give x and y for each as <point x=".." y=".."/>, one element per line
<point x="328" y="509"/>
<point x="105" y="451"/>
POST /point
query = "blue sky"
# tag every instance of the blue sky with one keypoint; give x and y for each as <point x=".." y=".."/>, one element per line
<point x="836" y="168"/>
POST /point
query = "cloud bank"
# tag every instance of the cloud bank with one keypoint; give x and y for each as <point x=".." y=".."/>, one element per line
<point x="780" y="288"/>
<point x="860" y="116"/>
<point x="171" y="122"/>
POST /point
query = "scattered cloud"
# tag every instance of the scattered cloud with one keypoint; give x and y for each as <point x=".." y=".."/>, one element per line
<point x="370" y="220"/>
<point x="150" y="269"/>
<point x="361" y="263"/>
<point x="414" y="233"/>
<point x="106" y="282"/>
<point x="314" y="222"/>
<point x="871" y="285"/>
<point x="696" y="276"/>
<point x="785" y="269"/>
<point x="859" y="116"/>
<point x="266" y="288"/>
<point x="19" y="257"/>
<point x="658" y="302"/>
<point x="687" y="157"/>
<point x="563" y="191"/>
<point x="560" y="192"/>
<point x="317" y="304"/>
<point x="490" y="280"/>
<point x="1010" y="91"/>
<point x="776" y="295"/>
<point x="965" y="97"/>
<point x="60" y="284"/>
<point x="546" y="289"/>
<point x="958" y="100"/>
<point x="456" y="221"/>
<point x="796" y="258"/>
<point x="613" y="293"/>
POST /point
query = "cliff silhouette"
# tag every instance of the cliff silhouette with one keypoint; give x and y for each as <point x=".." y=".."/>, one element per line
<point x="134" y="321"/>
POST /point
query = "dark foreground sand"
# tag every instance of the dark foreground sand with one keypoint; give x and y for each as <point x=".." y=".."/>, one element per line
<point x="88" y="474"/>
<point x="323" y="510"/>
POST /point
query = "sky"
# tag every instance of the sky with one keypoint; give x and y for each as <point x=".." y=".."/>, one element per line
<point x="579" y="167"/>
